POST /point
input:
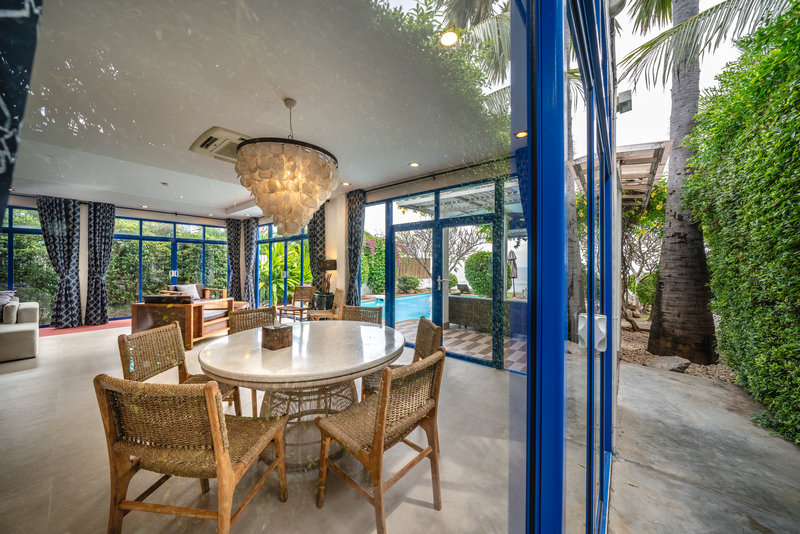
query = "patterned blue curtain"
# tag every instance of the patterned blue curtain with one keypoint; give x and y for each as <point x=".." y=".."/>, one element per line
<point x="60" y="220"/>
<point x="101" y="239"/>
<point x="234" y="227"/>
<point x="18" y="31"/>
<point x="355" y="236"/>
<point x="250" y="242"/>
<point x="316" y="245"/>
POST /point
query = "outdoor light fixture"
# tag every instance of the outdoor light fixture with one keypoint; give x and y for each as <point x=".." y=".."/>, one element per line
<point x="520" y="135"/>
<point x="289" y="179"/>
<point x="144" y="206"/>
<point x="448" y="38"/>
<point x="413" y="164"/>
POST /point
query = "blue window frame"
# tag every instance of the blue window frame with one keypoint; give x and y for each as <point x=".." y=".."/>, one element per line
<point x="24" y="263"/>
<point x="151" y="251"/>
<point x="276" y="281"/>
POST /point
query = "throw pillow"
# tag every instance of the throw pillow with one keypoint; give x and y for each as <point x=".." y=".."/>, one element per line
<point x="189" y="289"/>
<point x="10" y="312"/>
<point x="5" y="297"/>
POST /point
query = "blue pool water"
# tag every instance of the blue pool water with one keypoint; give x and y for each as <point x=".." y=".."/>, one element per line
<point x="410" y="307"/>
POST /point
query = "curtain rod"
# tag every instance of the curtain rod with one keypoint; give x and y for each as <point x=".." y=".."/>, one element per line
<point x="439" y="173"/>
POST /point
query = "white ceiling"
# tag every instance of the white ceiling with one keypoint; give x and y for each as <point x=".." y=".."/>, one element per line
<point x="120" y="90"/>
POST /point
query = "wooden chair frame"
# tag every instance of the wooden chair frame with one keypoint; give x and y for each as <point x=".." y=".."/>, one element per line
<point x="372" y="459"/>
<point x="124" y="467"/>
<point x="302" y="294"/>
<point x="335" y="313"/>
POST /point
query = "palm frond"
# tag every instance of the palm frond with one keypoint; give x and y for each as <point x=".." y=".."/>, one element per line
<point x="496" y="33"/>
<point x="498" y="102"/>
<point x="678" y="48"/>
<point x="575" y="86"/>
<point x="649" y="14"/>
<point x="465" y="13"/>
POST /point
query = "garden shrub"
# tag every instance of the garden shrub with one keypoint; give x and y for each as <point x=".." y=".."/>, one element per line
<point x="407" y="283"/>
<point x="746" y="193"/>
<point x="453" y="281"/>
<point x="478" y="272"/>
<point x="645" y="290"/>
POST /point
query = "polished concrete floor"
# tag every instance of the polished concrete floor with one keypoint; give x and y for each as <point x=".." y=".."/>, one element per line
<point x="54" y="467"/>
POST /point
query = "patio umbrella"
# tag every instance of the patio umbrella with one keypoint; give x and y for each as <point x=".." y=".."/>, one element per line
<point x="512" y="263"/>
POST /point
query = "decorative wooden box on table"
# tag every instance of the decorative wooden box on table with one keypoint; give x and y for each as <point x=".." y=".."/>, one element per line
<point x="198" y="318"/>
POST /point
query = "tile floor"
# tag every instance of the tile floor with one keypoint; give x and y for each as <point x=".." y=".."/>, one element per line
<point x="54" y="467"/>
<point x="468" y="342"/>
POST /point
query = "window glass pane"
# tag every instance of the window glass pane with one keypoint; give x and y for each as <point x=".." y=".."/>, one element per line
<point x="263" y="275"/>
<point x="217" y="266"/>
<point x="5" y="218"/>
<point x="122" y="277"/>
<point x="373" y="252"/>
<point x="3" y="262"/>
<point x="156" y="229"/>
<point x="277" y="267"/>
<point x="190" y="266"/>
<point x="126" y="226"/>
<point x="470" y="200"/>
<point x="413" y="209"/>
<point x="516" y="254"/>
<point x="293" y="269"/>
<point x="216" y="233"/>
<point x="189" y="231"/>
<point x="307" y="278"/>
<point x="263" y="231"/>
<point x="25" y="218"/>
<point x="156" y="256"/>
<point x="34" y="277"/>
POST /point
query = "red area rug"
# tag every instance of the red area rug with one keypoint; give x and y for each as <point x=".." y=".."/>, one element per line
<point x="44" y="332"/>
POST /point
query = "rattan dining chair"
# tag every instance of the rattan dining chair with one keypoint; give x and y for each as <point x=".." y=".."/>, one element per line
<point x="241" y="320"/>
<point x="180" y="430"/>
<point x="301" y="303"/>
<point x="429" y="338"/>
<point x="364" y="314"/>
<point x="146" y="354"/>
<point x="408" y="397"/>
<point x="334" y="313"/>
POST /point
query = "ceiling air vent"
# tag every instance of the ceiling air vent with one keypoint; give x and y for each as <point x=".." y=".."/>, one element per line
<point x="218" y="143"/>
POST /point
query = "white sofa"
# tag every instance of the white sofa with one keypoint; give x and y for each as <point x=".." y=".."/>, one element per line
<point x="19" y="331"/>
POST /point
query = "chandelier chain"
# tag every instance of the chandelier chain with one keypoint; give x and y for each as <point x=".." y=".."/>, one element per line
<point x="291" y="129"/>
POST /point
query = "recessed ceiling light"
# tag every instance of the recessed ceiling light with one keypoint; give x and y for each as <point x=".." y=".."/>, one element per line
<point x="345" y="184"/>
<point x="210" y="214"/>
<point x="448" y="38"/>
<point x="521" y="134"/>
<point x="11" y="189"/>
<point x="144" y="206"/>
<point x="414" y="164"/>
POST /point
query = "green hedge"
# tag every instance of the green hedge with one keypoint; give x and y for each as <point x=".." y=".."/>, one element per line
<point x="746" y="192"/>
<point x="407" y="283"/>
<point x="478" y="272"/>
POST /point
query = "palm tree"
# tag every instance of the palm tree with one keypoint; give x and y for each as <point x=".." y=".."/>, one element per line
<point x="681" y="319"/>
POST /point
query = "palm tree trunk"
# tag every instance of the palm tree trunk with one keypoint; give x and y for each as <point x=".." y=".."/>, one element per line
<point x="681" y="320"/>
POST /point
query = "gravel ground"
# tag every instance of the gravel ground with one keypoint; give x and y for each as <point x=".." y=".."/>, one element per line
<point x="633" y="349"/>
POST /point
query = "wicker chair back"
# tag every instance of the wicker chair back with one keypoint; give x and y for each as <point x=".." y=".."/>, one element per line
<point x="241" y="320"/>
<point x="363" y="313"/>
<point x="303" y="294"/>
<point x="146" y="354"/>
<point x="429" y="338"/>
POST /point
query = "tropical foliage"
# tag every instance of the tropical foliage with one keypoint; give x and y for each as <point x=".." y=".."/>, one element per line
<point x="283" y="259"/>
<point x="373" y="263"/>
<point x="407" y="284"/>
<point x="746" y="193"/>
<point x="478" y="272"/>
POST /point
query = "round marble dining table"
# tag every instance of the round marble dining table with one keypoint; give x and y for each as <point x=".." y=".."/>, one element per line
<point x="322" y="353"/>
<point x="311" y="378"/>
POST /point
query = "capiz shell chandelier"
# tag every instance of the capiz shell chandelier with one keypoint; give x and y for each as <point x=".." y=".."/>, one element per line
<point x="289" y="179"/>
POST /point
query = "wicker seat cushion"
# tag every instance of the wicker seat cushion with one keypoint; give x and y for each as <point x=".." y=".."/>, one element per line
<point x="247" y="438"/>
<point x="224" y="389"/>
<point x="354" y="427"/>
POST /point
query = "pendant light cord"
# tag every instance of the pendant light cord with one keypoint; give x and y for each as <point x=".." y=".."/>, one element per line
<point x="291" y="129"/>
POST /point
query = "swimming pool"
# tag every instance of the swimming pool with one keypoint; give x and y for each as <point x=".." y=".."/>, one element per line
<point x="405" y="308"/>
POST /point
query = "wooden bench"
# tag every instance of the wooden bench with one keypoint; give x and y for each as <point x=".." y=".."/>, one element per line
<point x="198" y="319"/>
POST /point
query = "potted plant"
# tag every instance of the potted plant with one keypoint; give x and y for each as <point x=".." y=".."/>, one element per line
<point x="323" y="299"/>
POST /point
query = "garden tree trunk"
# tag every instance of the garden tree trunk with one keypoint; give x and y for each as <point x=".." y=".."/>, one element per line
<point x="681" y="320"/>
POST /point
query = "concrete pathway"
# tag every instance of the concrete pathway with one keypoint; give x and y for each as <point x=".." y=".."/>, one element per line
<point x="690" y="459"/>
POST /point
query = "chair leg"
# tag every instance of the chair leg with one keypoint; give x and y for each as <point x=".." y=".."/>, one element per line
<point x="225" y="487"/>
<point x="432" y="431"/>
<point x="204" y="485"/>
<point x="377" y="495"/>
<point x="122" y="471"/>
<point x="280" y="455"/>
<point x="254" y="396"/>
<point x="323" y="469"/>
<point x="237" y="402"/>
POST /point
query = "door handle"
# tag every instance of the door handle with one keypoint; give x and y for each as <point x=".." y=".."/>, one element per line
<point x="439" y="282"/>
<point x="600" y="332"/>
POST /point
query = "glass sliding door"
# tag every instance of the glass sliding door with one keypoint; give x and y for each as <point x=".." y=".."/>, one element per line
<point x="413" y="267"/>
<point x="156" y="265"/>
<point x="34" y="277"/>
<point x="216" y="266"/>
<point x="122" y="277"/>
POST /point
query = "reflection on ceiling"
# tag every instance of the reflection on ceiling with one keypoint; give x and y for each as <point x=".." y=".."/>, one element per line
<point x="120" y="90"/>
